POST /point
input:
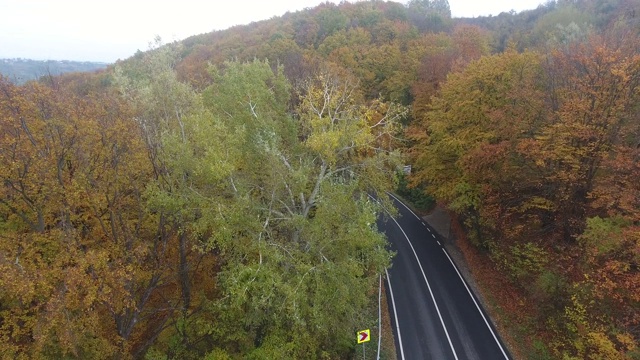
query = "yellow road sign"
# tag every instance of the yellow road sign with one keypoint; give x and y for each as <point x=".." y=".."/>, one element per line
<point x="364" y="336"/>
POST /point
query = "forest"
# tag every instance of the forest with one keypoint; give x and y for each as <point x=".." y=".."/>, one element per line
<point x="202" y="199"/>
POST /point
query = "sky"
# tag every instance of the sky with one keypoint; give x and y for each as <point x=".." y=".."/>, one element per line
<point x="104" y="31"/>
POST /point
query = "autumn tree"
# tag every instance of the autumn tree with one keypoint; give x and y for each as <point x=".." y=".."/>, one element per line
<point x="592" y="143"/>
<point x="77" y="245"/>
<point x="535" y="153"/>
<point x="471" y="119"/>
<point x="593" y="93"/>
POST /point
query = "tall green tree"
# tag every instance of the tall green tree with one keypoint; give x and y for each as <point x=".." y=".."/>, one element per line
<point x="162" y="103"/>
<point x="282" y="200"/>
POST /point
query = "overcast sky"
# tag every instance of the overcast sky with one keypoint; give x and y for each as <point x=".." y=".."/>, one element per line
<point x="99" y="30"/>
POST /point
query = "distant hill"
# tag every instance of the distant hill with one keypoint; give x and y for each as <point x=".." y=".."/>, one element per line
<point x="22" y="70"/>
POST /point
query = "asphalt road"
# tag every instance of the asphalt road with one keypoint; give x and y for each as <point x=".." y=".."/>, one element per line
<point x="434" y="314"/>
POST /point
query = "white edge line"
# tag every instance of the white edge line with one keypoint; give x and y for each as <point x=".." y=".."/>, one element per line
<point x="395" y="314"/>
<point x="379" y="316"/>
<point x="425" y="279"/>
<point x="411" y="211"/>
<point x="477" y="306"/>
<point x="428" y="287"/>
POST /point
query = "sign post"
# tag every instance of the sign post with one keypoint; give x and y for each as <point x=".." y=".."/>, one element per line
<point x="363" y="336"/>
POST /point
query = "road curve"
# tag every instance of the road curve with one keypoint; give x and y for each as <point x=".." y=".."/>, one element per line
<point x="434" y="314"/>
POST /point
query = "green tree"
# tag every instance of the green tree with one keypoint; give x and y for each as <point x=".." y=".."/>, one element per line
<point x="430" y="15"/>
<point x="162" y="104"/>
<point x="282" y="202"/>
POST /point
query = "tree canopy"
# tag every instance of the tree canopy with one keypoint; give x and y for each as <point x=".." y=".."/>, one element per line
<point x="209" y="198"/>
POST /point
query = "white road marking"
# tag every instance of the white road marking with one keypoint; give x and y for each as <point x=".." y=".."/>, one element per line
<point x="439" y="243"/>
<point x="432" y="297"/>
<point x="395" y="314"/>
<point x="379" y="315"/>
<point x="433" y="236"/>
<point x="428" y="287"/>
<point x="477" y="306"/>
<point x="423" y="224"/>
<point x="414" y="214"/>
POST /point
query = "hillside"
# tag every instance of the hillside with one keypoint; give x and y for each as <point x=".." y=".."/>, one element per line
<point x="23" y="70"/>
<point x="201" y="199"/>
